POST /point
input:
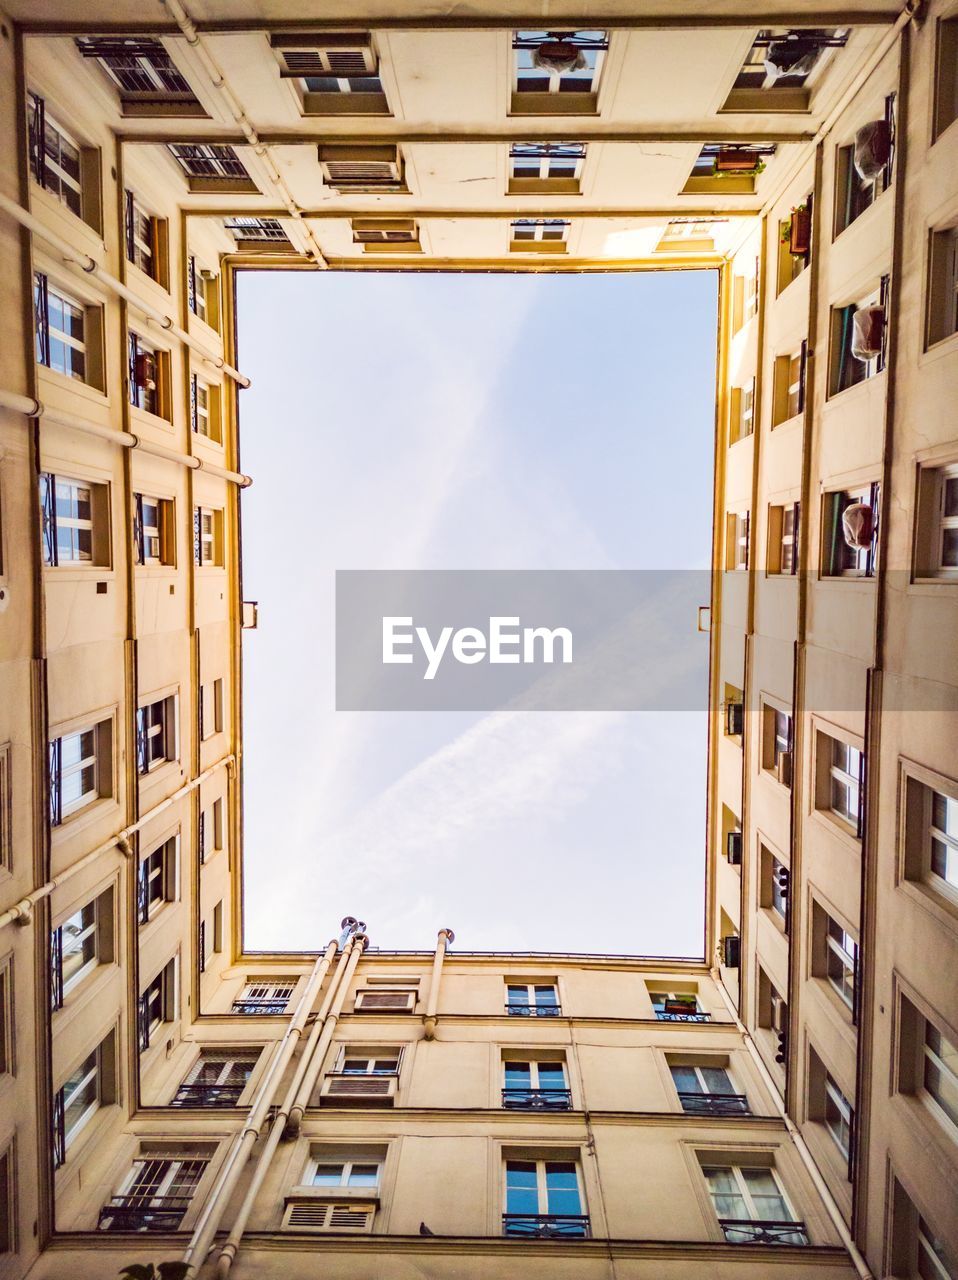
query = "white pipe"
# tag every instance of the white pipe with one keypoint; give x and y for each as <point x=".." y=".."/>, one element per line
<point x="236" y="1159"/>
<point x="278" y="1128"/>
<point x="33" y="408"/>
<point x="430" y="1018"/>
<point x="235" y="108"/>
<point x="22" y="912"/>
<point x="82" y="262"/>
<point x="831" y="1205"/>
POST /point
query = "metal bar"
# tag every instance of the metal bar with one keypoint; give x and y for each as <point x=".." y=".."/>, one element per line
<point x="531" y="130"/>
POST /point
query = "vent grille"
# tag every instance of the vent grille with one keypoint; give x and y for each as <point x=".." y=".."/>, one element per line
<point x="360" y="1087"/>
<point x="316" y="1215"/>
<point x="345" y="56"/>
<point x="357" y="168"/>
<point x="392" y="1000"/>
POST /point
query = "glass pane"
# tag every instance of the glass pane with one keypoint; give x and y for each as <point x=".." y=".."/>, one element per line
<point x="80" y="1092"/>
<point x="766" y="1197"/>
<point x="562" y="1188"/>
<point x="726" y="1196"/>
<point x="950" y="502"/>
<point x="518" y="1075"/>
<point x="941" y="1072"/>
<point x="522" y="1195"/>
<point x="949" y="548"/>
<point x="551" y="1075"/>
<point x="716" y="1080"/>
<point x="328" y="1175"/>
<point x="686" y="1080"/>
<point x="364" y="1175"/>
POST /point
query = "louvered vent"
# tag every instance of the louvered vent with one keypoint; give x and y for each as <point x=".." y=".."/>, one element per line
<point x="318" y="1215"/>
<point x="359" y="1087"/>
<point x="342" y="55"/>
<point x="380" y="1001"/>
<point x="351" y="168"/>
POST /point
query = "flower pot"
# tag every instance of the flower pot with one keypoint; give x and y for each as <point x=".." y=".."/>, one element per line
<point x="737" y="161"/>
<point x="800" y="232"/>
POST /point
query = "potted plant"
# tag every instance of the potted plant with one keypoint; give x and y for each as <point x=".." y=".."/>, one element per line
<point x="797" y="232"/>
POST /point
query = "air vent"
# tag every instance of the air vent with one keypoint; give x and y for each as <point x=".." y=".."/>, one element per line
<point x="385" y="1001"/>
<point x="352" y="168"/>
<point x="342" y="55"/>
<point x="360" y="1090"/>
<point x="319" y="1215"/>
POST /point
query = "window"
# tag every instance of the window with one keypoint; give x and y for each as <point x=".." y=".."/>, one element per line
<point x="728" y="168"/>
<point x="936" y="535"/>
<point x="59" y="164"/>
<point x="940" y="1075"/>
<point x="337" y="72"/>
<point x="211" y="166"/>
<point x="795" y="243"/>
<point x="532" y="1000"/>
<point x="773" y="886"/>
<point x="79" y="944"/>
<point x="156" y="733"/>
<point x="946" y="75"/>
<point x="154" y="531"/>
<point x="788" y="385"/>
<point x="840" y="781"/>
<point x="942" y="318"/>
<point x="741" y="412"/>
<point x="211" y="708"/>
<point x="535" y="1085"/>
<point x="541" y="167"/>
<point x="75" y="517"/>
<point x="850" y="532"/>
<point x="268" y="995"/>
<point x="784" y="523"/>
<point x="205" y="409"/>
<point x="217" y="1078"/>
<point x="773" y="1014"/>
<point x="928" y="1064"/>
<point x="386" y="235"/>
<point x="828" y="1106"/>
<point x="544" y="1200"/>
<point x="731" y="838"/>
<point x="736" y="540"/>
<point x="930" y="830"/>
<point x="157" y="1004"/>
<point x="835" y="956"/>
<point x="777" y="744"/>
<point x="539" y="235"/>
<point x="257" y="233"/>
<point x="144" y="73"/>
<point x="211" y="830"/>
<point x="157" y="879"/>
<point x="362" y="168"/>
<point x="81" y="770"/>
<point x="733" y="708"/>
<point x="61" y="324"/>
<point x="6" y="810"/>
<point x="344" y="1173"/>
<point x="207" y="537"/>
<point x="557" y="72"/>
<point x="157" y="1192"/>
<point x="201" y="292"/>
<point x="695" y="235"/>
<point x="858" y="340"/>
<point x="871" y="154"/>
<point x="148" y="377"/>
<point x="706" y="1090"/>
<point x="751" y="1206"/>
<point x="354" y="1063"/>
<point x="781" y="68"/>
<point x="90" y="1086"/>
<point x="363" y="1076"/>
<point x="677" y="1006"/>
<point x="8" y="1200"/>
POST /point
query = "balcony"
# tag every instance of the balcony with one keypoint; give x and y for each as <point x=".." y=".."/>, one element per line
<point x="682" y="1015"/>
<point x="208" y="1095"/>
<point x="546" y="1226"/>
<point x="537" y="1099"/>
<point x="534" y="1010"/>
<point x="143" y="1213"/>
<point x="261" y="1005"/>
<point x="746" y="1231"/>
<point x="714" y="1104"/>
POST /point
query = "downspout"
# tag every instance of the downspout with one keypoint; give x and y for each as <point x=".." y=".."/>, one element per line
<point x="235" y="1162"/>
<point x="88" y="266"/>
<point x="338" y="985"/>
<point x="308" y="1082"/>
<point x="446" y="936"/>
<point x="834" y="1212"/>
<point x="235" y="108"/>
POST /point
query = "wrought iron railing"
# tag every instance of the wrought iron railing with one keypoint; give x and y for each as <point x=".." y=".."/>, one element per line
<point x="691" y="1016"/>
<point x="143" y="1213"/>
<point x="208" y="1095"/>
<point x="270" y="1004"/>
<point x="714" y="1104"/>
<point x="534" y="1010"/>
<point x="746" y="1231"/>
<point x="546" y="1226"/>
<point x="537" y="1099"/>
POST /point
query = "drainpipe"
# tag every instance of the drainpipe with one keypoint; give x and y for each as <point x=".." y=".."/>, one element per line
<point x="81" y="261"/>
<point x="445" y="939"/>
<point x="308" y="1083"/>
<point x="212" y="1212"/>
<point x="194" y="39"/>
<point x="338" y="986"/>
<point x="22" y="911"/>
<point x="33" y="408"/>
<point x="838" y="1222"/>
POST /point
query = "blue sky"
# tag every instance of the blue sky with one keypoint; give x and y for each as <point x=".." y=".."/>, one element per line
<point x="432" y="421"/>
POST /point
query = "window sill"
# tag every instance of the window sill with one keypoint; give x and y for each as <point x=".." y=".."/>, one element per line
<point x="842" y="830"/>
<point x="77" y="386"/>
<point x="794" y="421"/>
<point x="137" y="278"/>
<point x="148" y="419"/>
<point x="366" y="1195"/>
<point x="929" y="899"/>
<point x="939" y="349"/>
<point x="847" y="580"/>
<point x="45" y="202"/>
<point x="74" y="572"/>
<point x="81" y="818"/>
<point x="85" y="1142"/>
<point x="847" y="392"/>
<point x="863" y="218"/>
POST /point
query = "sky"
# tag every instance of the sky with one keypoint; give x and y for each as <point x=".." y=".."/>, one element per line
<point x="444" y="421"/>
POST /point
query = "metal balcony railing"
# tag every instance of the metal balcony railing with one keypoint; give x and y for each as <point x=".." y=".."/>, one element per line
<point x="534" y="1010"/>
<point x="546" y="1226"/>
<point x="745" y="1231"/>
<point x="714" y="1104"/>
<point x="142" y="1213"/>
<point x="537" y="1099"/>
<point x="690" y="1015"/>
<point x="208" y="1095"/>
<point x="261" y="1005"/>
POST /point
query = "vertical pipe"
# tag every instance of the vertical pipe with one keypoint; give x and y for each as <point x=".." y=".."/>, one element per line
<point x="338" y="983"/>
<point x="212" y="1211"/>
<point x="446" y="936"/>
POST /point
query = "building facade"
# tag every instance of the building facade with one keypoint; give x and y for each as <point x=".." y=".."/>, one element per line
<point x="789" y="1106"/>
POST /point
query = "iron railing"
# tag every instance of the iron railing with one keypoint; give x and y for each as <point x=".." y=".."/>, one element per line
<point x="714" y="1104"/>
<point x="537" y="1099"/>
<point x="208" y="1095"/>
<point x="261" y="1004"/>
<point x="546" y="1226"/>
<point x="746" y="1231"/>
<point x="534" y="1010"/>
<point x="143" y="1213"/>
<point x="692" y="1016"/>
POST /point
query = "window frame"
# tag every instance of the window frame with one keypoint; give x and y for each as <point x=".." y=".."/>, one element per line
<point x="157" y="720"/>
<point x="101" y="762"/>
<point x="836" y="555"/>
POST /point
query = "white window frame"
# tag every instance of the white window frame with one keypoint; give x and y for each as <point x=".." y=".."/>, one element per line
<point x="162" y="717"/>
<point x="162" y="1186"/>
<point x="841" y="779"/>
<point x="86" y="797"/>
<point x="84" y="931"/>
<point x="837" y="947"/>
<point x="556" y="78"/>
<point x="931" y="1058"/>
<point x="531" y="1002"/>
<point x="545" y="159"/>
<point x="540" y="230"/>
<point x="268" y="989"/>
<point x="346" y="1166"/>
<point x="93" y="1073"/>
<point x="838" y="1128"/>
<point x="144" y="251"/>
<point x="533" y="1064"/>
<point x="944" y="523"/>
<point x="542" y="1191"/>
<point x="203" y="423"/>
<point x="699" y="1077"/>
<point x="67" y="301"/>
<point x="355" y="1054"/>
<point x="64" y="179"/>
<point x="742" y="1188"/>
<point x="943" y="836"/>
<point x="926" y="1249"/>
